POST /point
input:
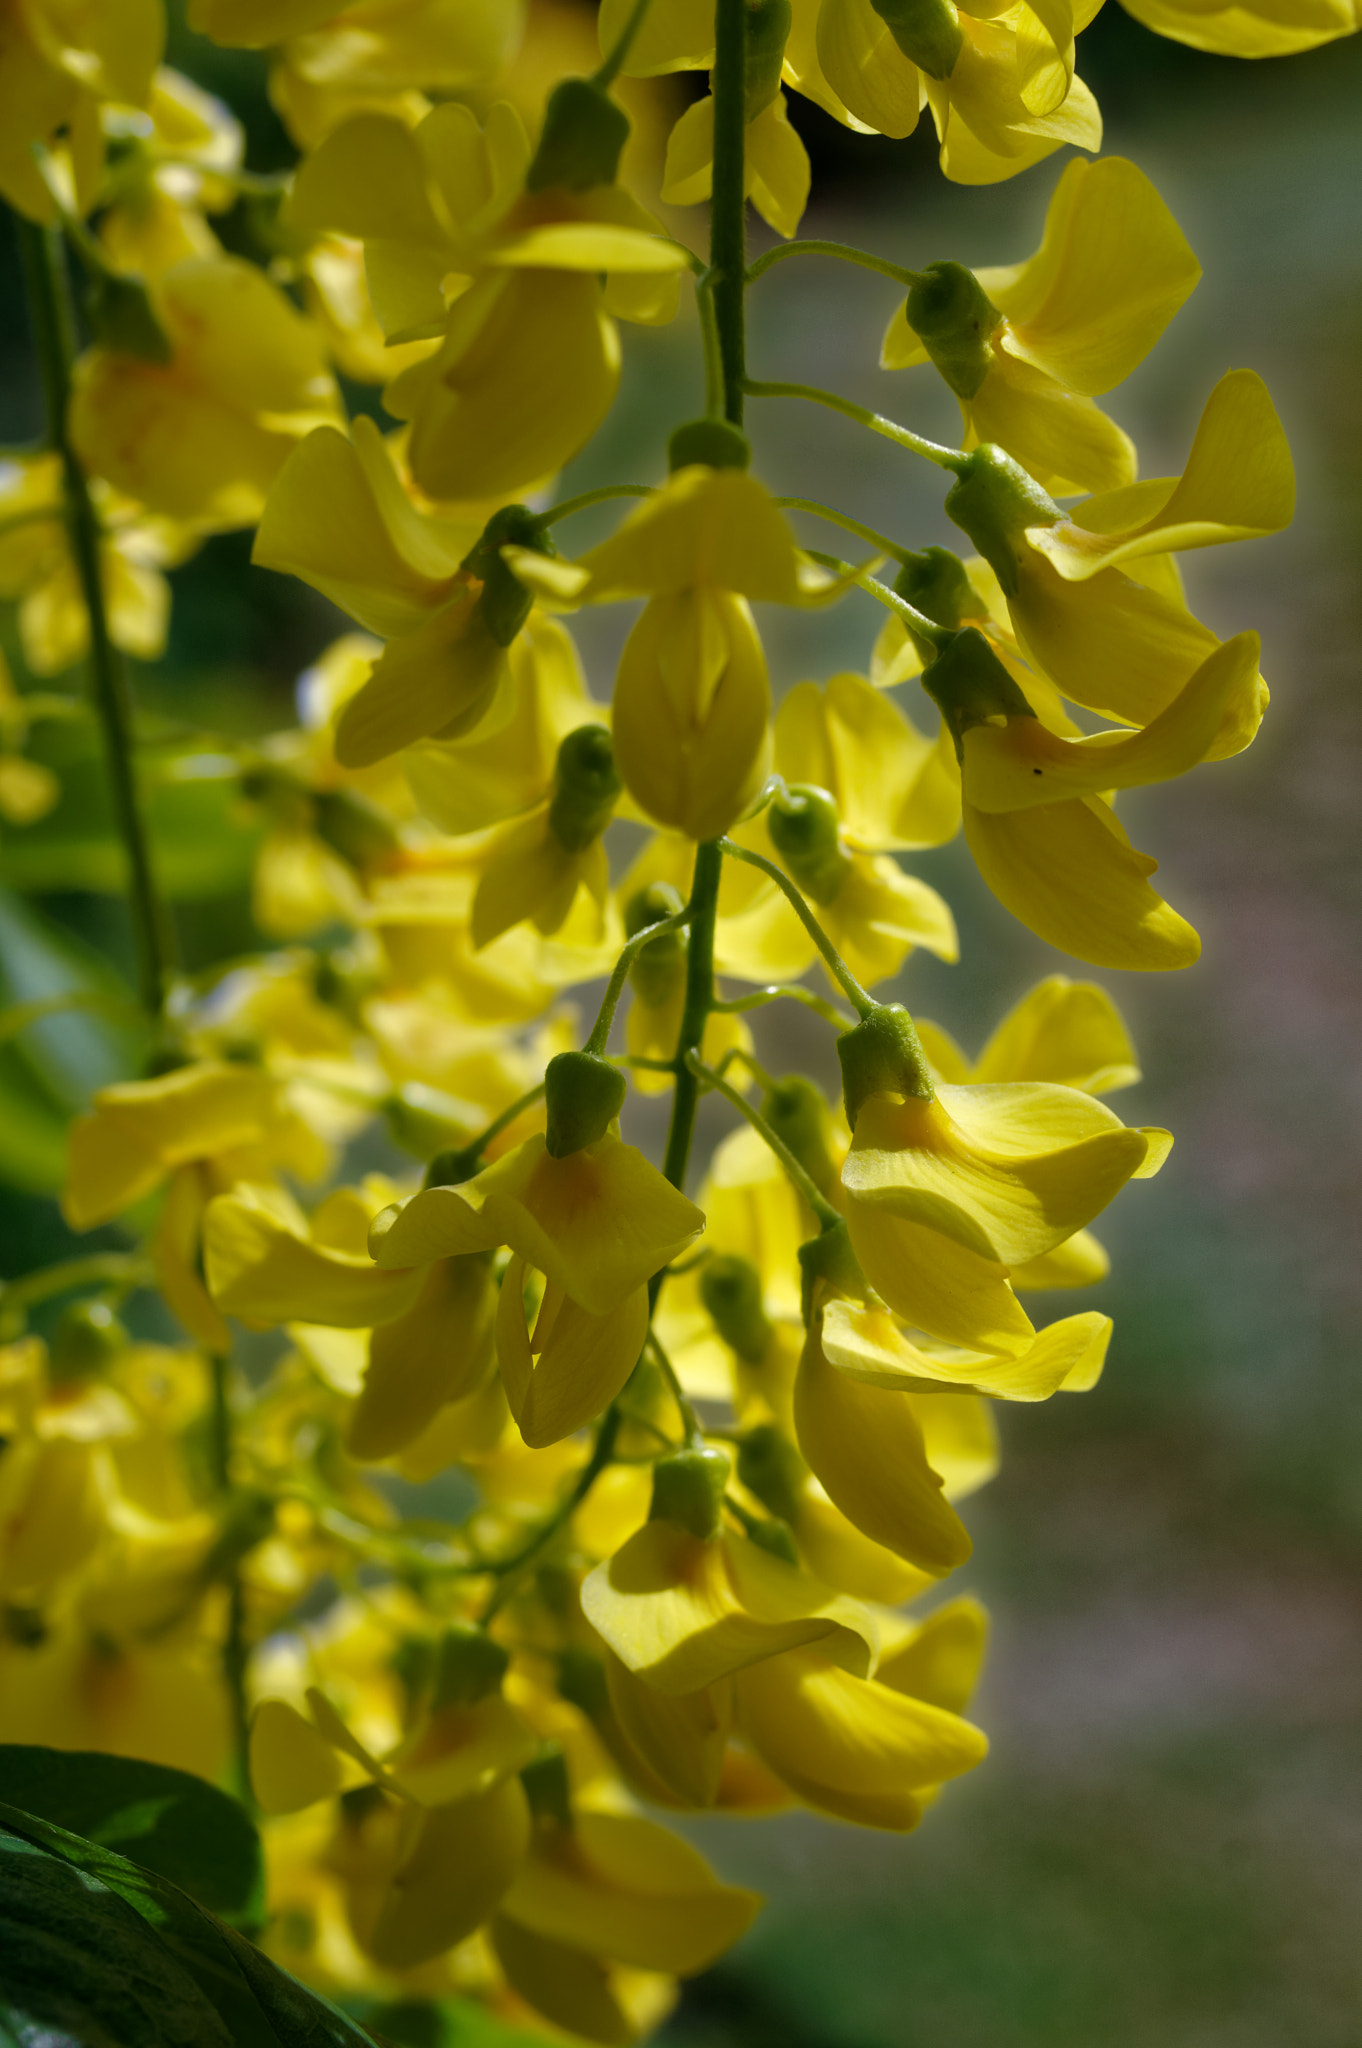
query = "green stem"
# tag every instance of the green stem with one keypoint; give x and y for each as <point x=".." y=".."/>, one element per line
<point x="836" y="964"/>
<point x="690" y="1426"/>
<point x="728" y="216"/>
<point x="605" y="1017"/>
<point x="934" y="451"/>
<point x="821" y="511"/>
<point x="235" y="1654"/>
<point x="49" y="296"/>
<point x="596" y="497"/>
<point x="787" y="992"/>
<point x="615" y="58"/>
<point x="120" y="1270"/>
<point x="701" y="910"/>
<point x="821" y="1207"/>
<point x="463" y="1162"/>
<point x="842" y="250"/>
<point x="602" y="1452"/>
<point x="926" y="629"/>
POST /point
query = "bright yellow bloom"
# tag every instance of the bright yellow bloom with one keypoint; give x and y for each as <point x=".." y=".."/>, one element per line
<point x="202" y="437"/>
<point x="536" y="867"/>
<point x="1249" y="28"/>
<point x="57" y="64"/>
<point x="571" y="1365"/>
<point x="894" y="789"/>
<point x="1071" y="322"/>
<point x="268" y="1263"/>
<point x="776" y="163"/>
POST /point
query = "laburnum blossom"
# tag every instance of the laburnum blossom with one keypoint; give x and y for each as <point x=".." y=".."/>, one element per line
<point x="469" y="244"/>
<point x="1027" y="349"/>
<point x="775" y="161"/>
<point x="58" y="65"/>
<point x="1249" y="28"/>
<point x="201" y="436"/>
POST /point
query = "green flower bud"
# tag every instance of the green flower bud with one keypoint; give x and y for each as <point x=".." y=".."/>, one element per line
<point x="768" y="31"/>
<point x="122" y="319"/>
<point x="775" y="1536"/>
<point x="798" y="1113"/>
<point x="356" y="829"/>
<point x="583" y="1095"/>
<point x="770" y="1467"/>
<point x="688" y="1489"/>
<point x="829" y="1257"/>
<point x="882" y="1055"/>
<point x="582" y="139"/>
<point x="927" y="31"/>
<point x="467" y="1666"/>
<point x="716" y="443"/>
<point x="935" y="582"/>
<point x="730" y="1289"/>
<point x="953" y="316"/>
<point x="505" y="602"/>
<point x="586" y="787"/>
<point x="805" y="830"/>
<point x="657" y="969"/>
<point x="446" y="1170"/>
<point x="969" y="684"/>
<point x="422" y="1120"/>
<point x="547" y="1787"/>
<point x="993" y="500"/>
<point x="87" y="1340"/>
<point x="581" y="1682"/>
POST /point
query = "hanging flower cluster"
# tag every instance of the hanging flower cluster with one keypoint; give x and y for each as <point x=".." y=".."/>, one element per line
<point x="701" y="1432"/>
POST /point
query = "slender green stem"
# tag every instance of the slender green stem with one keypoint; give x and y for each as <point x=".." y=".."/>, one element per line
<point x="842" y="250"/>
<point x="702" y="910"/>
<point x="460" y="1164"/>
<point x="596" y="497"/>
<point x="934" y="451"/>
<point x="505" y="1568"/>
<point x="689" y="1424"/>
<point x="49" y="294"/>
<point x="862" y="532"/>
<point x="754" y="1067"/>
<point x="728" y="217"/>
<point x="235" y="1652"/>
<point x="837" y="965"/>
<point x="787" y="992"/>
<point x="822" y="1208"/>
<point x="927" y="629"/>
<point x="615" y="57"/>
<point x="605" y="1017"/>
<point x="709" y="336"/>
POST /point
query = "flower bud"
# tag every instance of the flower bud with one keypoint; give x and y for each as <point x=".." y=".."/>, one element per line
<point x="122" y="319"/>
<point x="467" y="1666"/>
<point x="952" y="315"/>
<point x="830" y="1259"/>
<point x="993" y="500"/>
<point x="882" y="1055"/>
<point x="87" y="1340"/>
<point x="927" y="31"/>
<point x="935" y="582"/>
<point x="805" y="830"/>
<point x="581" y="141"/>
<point x="768" y="31"/>
<point x="730" y="1289"/>
<point x="775" y="1536"/>
<point x="770" y="1467"/>
<point x="798" y="1113"/>
<point x="586" y="786"/>
<point x="970" y="686"/>
<point x="659" y="967"/>
<point x="715" y="443"/>
<point x="688" y="1489"/>
<point x="505" y="603"/>
<point x="583" y="1095"/>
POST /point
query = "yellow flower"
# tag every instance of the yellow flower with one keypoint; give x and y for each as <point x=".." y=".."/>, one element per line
<point x="1027" y="349"/>
<point x="268" y="1263"/>
<point x="465" y="245"/>
<point x="1248" y="28"/>
<point x="202" y="437"/>
<point x="894" y="789"/>
<point x="775" y="161"/>
<point x="56" y="65"/>
<point x="163" y="1702"/>
<point x="536" y="867"/>
<point x="572" y="1363"/>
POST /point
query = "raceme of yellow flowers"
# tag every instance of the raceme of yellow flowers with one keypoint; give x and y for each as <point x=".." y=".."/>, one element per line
<point x="711" y="1422"/>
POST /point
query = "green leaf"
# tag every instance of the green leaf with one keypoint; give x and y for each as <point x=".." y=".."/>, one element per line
<point x="168" y="1821"/>
<point x="99" y="1952"/>
<point x="50" y="1069"/>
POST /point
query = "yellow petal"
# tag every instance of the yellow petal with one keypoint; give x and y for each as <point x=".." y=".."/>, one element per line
<point x="681" y="1738"/>
<point x="939" y="1662"/>
<point x="439" y="1351"/>
<point x="571" y="1990"/>
<point x="260" y="1266"/>
<point x="556" y="1382"/>
<point x="716" y="527"/>
<point x="937" y="1284"/>
<point x="1061" y="439"/>
<point x="865" y="1345"/>
<point x="292" y="1765"/>
<point x="139" y="1129"/>
<point x="1061" y="1030"/>
<point x="175" y="1258"/>
<point x="461" y="1860"/>
<point x="436" y="681"/>
<point x="894" y="787"/>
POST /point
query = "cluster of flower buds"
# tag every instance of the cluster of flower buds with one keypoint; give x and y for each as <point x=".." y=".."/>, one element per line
<point x="695" y="1453"/>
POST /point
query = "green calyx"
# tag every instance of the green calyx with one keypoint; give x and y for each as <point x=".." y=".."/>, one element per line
<point x="586" y="787"/>
<point x="688" y="1489"/>
<point x="467" y="1665"/>
<point x="774" y="1536"/>
<point x="730" y="1289"/>
<point x="446" y="1170"/>
<point x="993" y="500"/>
<point x="548" y="1789"/>
<point x="970" y="686"/>
<point x="583" y="1094"/>
<point x="927" y="31"/>
<point x="362" y="834"/>
<point x="953" y="316"/>
<point x="505" y="602"/>
<point x="882" y="1055"/>
<point x="87" y="1340"/>
<point x="829" y="1260"/>
<point x="797" y="1111"/>
<point x="658" y="968"/>
<point x="581" y="1682"/>
<point x="715" y="443"/>
<point x="122" y="319"/>
<point x="768" y="31"/>
<point x="936" y="582"/>
<point x="805" y="830"/>
<point x="582" y="139"/>
<point x="770" y="1467"/>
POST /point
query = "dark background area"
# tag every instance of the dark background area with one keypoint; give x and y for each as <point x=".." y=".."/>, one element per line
<point x="1165" y="1850"/>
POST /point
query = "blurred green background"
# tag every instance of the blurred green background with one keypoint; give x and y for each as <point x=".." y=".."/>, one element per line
<point x="1165" y="1850"/>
